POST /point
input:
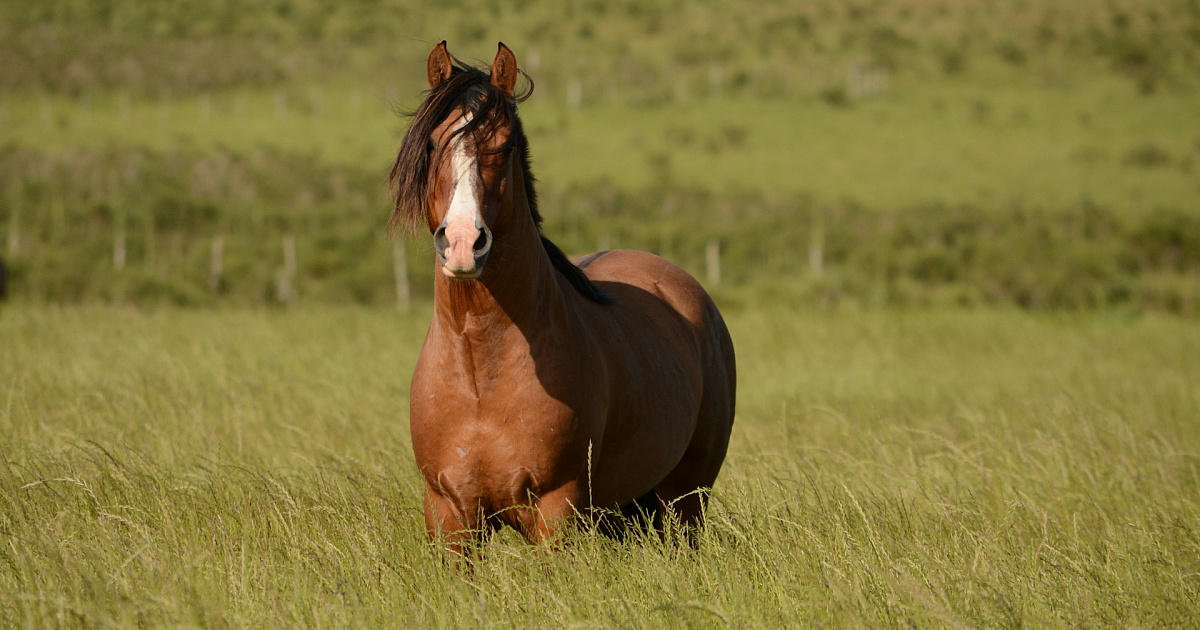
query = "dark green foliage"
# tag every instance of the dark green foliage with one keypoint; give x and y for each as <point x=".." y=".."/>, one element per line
<point x="1011" y="52"/>
<point x="170" y="207"/>
<point x="63" y="212"/>
<point x="887" y="46"/>
<point x="1147" y="155"/>
<point x="1074" y="258"/>
<point x="1168" y="242"/>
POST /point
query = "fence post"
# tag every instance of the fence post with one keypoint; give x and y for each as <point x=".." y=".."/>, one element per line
<point x="148" y="261"/>
<point x="14" y="219"/>
<point x="400" y="269"/>
<point x="285" y="290"/>
<point x="316" y="97"/>
<point x="14" y="233"/>
<point x="716" y="81"/>
<point x="217" y="264"/>
<point x="119" y="247"/>
<point x="125" y="106"/>
<point x="574" y="93"/>
<point x="112" y="187"/>
<point x="281" y="105"/>
<point x="681" y="89"/>
<point x="240" y="103"/>
<point x="164" y="107"/>
<point x="712" y="259"/>
<point x="85" y="107"/>
<point x="204" y="105"/>
<point x="816" y="249"/>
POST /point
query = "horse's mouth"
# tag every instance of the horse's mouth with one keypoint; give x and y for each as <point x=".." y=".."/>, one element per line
<point x="461" y="275"/>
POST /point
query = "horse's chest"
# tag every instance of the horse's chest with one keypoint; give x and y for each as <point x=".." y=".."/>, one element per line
<point x="499" y="450"/>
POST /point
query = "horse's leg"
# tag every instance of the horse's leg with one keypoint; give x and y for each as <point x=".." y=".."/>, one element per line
<point x="686" y="506"/>
<point x="684" y="492"/>
<point x="543" y="522"/>
<point x="461" y="533"/>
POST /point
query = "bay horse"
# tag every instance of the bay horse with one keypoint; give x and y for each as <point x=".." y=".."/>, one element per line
<point x="546" y="387"/>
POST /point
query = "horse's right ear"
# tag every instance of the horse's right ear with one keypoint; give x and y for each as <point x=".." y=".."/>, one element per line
<point x="438" y="67"/>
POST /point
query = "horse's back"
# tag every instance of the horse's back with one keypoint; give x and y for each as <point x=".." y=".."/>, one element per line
<point x="641" y="281"/>
<point x="630" y="275"/>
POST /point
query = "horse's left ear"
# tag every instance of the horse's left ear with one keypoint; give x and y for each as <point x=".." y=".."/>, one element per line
<point x="504" y="70"/>
<point x="439" y="67"/>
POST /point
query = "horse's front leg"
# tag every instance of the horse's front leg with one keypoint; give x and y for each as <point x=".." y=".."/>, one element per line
<point x="544" y="521"/>
<point x="462" y="532"/>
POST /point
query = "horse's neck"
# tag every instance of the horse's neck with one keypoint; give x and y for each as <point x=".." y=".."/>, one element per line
<point x="518" y="292"/>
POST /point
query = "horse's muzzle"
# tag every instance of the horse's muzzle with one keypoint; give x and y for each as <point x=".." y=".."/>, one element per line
<point x="462" y="249"/>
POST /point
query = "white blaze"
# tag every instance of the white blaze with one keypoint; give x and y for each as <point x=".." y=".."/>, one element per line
<point x="464" y="214"/>
<point x="463" y="204"/>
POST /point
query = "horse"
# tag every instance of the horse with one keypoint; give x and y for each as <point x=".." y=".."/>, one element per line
<point x="547" y="388"/>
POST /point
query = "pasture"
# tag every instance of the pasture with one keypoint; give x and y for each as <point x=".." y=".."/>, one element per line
<point x="927" y="150"/>
<point x="960" y="252"/>
<point x="954" y="468"/>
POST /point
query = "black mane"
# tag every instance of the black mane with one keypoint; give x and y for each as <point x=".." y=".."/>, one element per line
<point x="410" y="178"/>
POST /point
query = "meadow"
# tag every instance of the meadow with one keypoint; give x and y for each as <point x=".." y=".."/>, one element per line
<point x="959" y="252"/>
<point x="895" y="151"/>
<point x="940" y="469"/>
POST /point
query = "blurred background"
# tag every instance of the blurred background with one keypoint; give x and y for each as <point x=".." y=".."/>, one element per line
<point x="1037" y="154"/>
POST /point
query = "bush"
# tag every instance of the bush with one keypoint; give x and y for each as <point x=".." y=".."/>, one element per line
<point x="790" y="249"/>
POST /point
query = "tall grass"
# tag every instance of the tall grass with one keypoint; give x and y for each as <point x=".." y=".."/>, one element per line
<point x="252" y="469"/>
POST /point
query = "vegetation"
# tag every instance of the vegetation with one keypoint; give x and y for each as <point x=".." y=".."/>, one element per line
<point x="630" y="51"/>
<point x="888" y="469"/>
<point x="883" y="153"/>
<point x="959" y="254"/>
<point x="142" y="226"/>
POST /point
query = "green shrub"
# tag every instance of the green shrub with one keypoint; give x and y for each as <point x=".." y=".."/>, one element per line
<point x="788" y="249"/>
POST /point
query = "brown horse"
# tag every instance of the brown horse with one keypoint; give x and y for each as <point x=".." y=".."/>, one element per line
<point x="545" y="387"/>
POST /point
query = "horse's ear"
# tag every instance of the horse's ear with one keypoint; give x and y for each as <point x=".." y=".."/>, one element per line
<point x="504" y="70"/>
<point x="438" y="67"/>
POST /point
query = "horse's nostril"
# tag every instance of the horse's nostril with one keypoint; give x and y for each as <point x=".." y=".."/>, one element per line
<point x="481" y="243"/>
<point x="440" y="242"/>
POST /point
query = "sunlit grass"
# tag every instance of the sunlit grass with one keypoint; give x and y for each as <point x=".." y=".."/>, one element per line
<point x="252" y="468"/>
<point x="954" y="143"/>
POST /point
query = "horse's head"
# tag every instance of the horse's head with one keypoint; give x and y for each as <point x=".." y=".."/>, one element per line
<point x="457" y="166"/>
<point x="463" y="171"/>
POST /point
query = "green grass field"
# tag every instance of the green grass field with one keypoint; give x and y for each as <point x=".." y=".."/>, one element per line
<point x="938" y="469"/>
<point x="961" y="253"/>
<point x="992" y="146"/>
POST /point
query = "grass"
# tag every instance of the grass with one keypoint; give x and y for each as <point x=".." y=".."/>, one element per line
<point x="1041" y="155"/>
<point x="223" y="467"/>
<point x="953" y="142"/>
<point x="889" y="468"/>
